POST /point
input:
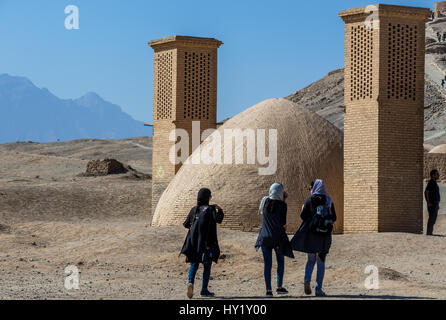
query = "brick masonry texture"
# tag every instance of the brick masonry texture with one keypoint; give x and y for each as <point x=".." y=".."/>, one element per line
<point x="104" y="167"/>
<point x="184" y="90"/>
<point x="383" y="133"/>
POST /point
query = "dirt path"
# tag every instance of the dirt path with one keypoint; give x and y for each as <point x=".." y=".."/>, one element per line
<point x="101" y="225"/>
<point x="131" y="260"/>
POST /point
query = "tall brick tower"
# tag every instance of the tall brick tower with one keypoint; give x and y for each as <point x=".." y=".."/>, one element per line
<point x="383" y="126"/>
<point x="184" y="90"/>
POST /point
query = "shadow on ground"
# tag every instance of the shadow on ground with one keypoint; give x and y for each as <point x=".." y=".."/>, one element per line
<point x="346" y="296"/>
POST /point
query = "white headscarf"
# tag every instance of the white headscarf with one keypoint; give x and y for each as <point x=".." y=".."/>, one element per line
<point x="275" y="193"/>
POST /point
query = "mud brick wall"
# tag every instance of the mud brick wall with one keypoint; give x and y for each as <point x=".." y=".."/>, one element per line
<point x="383" y="134"/>
<point x="104" y="167"/>
<point x="184" y="90"/>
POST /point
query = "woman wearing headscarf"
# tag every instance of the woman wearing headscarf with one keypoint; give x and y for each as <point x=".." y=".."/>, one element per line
<point x="314" y="234"/>
<point x="272" y="236"/>
<point x="201" y="244"/>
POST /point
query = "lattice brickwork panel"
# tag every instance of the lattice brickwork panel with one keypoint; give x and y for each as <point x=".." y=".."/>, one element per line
<point x="164" y="102"/>
<point x="197" y="85"/>
<point x="402" y="62"/>
<point x="361" y="62"/>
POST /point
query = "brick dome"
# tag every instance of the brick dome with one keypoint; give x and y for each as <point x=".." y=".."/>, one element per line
<point x="308" y="147"/>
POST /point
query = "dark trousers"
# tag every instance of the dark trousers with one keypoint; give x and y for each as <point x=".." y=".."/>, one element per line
<point x="268" y="261"/>
<point x="433" y="213"/>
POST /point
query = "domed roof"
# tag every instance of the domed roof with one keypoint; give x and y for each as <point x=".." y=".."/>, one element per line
<point x="308" y="148"/>
<point x="439" y="149"/>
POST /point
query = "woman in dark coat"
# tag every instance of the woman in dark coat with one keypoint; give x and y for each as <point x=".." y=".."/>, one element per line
<point x="201" y="244"/>
<point x="272" y="235"/>
<point x="316" y="242"/>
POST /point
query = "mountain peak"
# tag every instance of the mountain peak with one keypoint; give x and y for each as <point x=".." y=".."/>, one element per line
<point x="31" y="113"/>
<point x="14" y="80"/>
<point x="90" y="99"/>
<point x="92" y="95"/>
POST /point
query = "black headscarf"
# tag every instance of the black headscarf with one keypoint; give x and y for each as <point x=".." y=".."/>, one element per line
<point x="203" y="197"/>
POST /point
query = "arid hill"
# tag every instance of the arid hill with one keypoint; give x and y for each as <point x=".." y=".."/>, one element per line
<point x="43" y="181"/>
<point x="327" y="95"/>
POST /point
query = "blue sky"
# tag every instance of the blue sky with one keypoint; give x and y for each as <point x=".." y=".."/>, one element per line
<point x="271" y="48"/>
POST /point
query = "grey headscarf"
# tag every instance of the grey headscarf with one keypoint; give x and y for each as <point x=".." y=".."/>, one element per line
<point x="275" y="193"/>
<point x="319" y="187"/>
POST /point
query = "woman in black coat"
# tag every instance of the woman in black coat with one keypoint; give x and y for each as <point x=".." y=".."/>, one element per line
<point x="314" y="234"/>
<point x="272" y="236"/>
<point x="201" y="244"/>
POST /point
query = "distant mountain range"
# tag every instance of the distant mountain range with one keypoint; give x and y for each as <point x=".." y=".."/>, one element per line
<point x="29" y="113"/>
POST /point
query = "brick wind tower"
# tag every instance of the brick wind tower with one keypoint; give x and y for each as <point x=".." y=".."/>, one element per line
<point x="184" y="90"/>
<point x="383" y="126"/>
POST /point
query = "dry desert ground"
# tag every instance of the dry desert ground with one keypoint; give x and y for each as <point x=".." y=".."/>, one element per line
<point x="51" y="218"/>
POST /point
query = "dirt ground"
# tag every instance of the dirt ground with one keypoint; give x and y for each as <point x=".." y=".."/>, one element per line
<point x="101" y="225"/>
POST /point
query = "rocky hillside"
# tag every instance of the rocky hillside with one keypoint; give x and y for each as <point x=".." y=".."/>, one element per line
<point x="326" y="96"/>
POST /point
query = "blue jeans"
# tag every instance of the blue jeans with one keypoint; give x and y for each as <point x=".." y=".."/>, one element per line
<point x="315" y="258"/>
<point x="206" y="274"/>
<point x="268" y="260"/>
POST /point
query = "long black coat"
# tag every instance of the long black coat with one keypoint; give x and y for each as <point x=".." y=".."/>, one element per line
<point x="311" y="242"/>
<point x="202" y="235"/>
<point x="272" y="233"/>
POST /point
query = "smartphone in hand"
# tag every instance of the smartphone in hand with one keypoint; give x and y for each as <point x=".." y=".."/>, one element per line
<point x="285" y="195"/>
